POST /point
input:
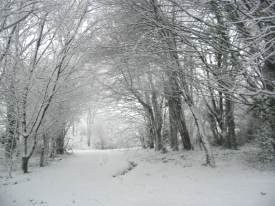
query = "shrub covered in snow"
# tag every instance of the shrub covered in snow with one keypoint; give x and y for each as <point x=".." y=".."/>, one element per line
<point x="266" y="143"/>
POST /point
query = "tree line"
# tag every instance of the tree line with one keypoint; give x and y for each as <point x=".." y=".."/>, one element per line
<point x="42" y="66"/>
<point x="196" y="72"/>
<point x="207" y="65"/>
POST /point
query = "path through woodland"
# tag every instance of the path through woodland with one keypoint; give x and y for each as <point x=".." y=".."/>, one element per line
<point x="86" y="179"/>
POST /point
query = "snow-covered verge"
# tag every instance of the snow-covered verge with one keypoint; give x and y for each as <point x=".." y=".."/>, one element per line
<point x="90" y="178"/>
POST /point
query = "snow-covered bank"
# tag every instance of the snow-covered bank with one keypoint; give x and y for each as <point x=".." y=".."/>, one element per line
<point x="176" y="179"/>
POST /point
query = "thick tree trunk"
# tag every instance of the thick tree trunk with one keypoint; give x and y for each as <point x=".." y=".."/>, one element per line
<point x="172" y="74"/>
<point x="42" y="157"/>
<point x="177" y="116"/>
<point x="60" y="143"/>
<point x="173" y="130"/>
<point x="25" y="146"/>
<point x="230" y="140"/>
<point x="185" y="138"/>
<point x="150" y="137"/>
<point x="176" y="113"/>
<point x="25" y="164"/>
<point x="26" y="157"/>
<point x="151" y="130"/>
<point x="150" y="119"/>
<point x="159" y="145"/>
<point x="175" y="98"/>
<point x="157" y="121"/>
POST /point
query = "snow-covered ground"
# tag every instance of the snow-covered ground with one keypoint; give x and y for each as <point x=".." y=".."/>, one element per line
<point x="93" y="178"/>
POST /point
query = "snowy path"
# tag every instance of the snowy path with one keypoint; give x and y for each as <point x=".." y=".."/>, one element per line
<point x="86" y="179"/>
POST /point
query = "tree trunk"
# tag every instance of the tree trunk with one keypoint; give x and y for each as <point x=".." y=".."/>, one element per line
<point x="226" y="59"/>
<point x="209" y="157"/>
<point x="11" y="127"/>
<point x="230" y="140"/>
<point x="60" y="143"/>
<point x="151" y="135"/>
<point x="42" y="157"/>
<point x="89" y="125"/>
<point x="172" y="74"/>
<point x="177" y="116"/>
<point x="185" y="138"/>
<point x="151" y="128"/>
<point x="43" y="152"/>
<point x="157" y="121"/>
<point x="220" y="118"/>
<point x="25" y="164"/>
<point x="214" y="130"/>
<point x="52" y="148"/>
<point x="25" y="146"/>
<point x="176" y="113"/>
<point x="173" y="130"/>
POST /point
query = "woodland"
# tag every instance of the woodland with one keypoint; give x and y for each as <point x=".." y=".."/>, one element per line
<point x="190" y="75"/>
